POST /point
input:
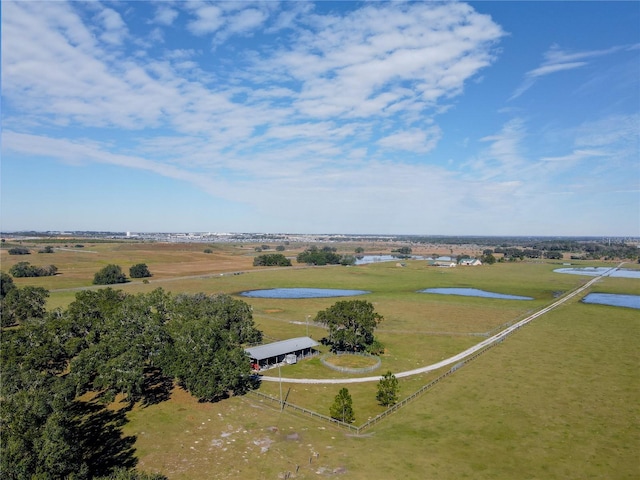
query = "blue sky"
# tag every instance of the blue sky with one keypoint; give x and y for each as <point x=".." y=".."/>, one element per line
<point x="481" y="118"/>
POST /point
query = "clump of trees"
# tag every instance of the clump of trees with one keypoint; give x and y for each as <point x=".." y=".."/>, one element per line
<point x="316" y="256"/>
<point x="324" y="256"/>
<point x="403" y="251"/>
<point x="109" y="275"/>
<point x="19" y="251"/>
<point x="140" y="270"/>
<point x="351" y="324"/>
<point x="342" y="407"/>
<point x="25" y="269"/>
<point x="47" y="249"/>
<point x="109" y="343"/>
<point x="271" y="259"/>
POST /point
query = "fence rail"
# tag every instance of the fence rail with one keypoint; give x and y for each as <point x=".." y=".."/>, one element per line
<point x="358" y="429"/>
<point x="305" y="411"/>
<point x="337" y="368"/>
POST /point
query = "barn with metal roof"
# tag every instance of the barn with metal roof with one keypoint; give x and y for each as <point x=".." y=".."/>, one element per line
<point x="287" y="351"/>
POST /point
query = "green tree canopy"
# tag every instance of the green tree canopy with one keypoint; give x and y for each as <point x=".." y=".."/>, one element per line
<point x="19" y="251"/>
<point x="25" y="269"/>
<point x="488" y="259"/>
<point x="6" y="284"/>
<point x="107" y="342"/>
<point x="342" y="408"/>
<point x="403" y="250"/>
<point x="205" y="352"/>
<point x="351" y="324"/>
<point x="271" y="259"/>
<point x="388" y="389"/>
<point x="21" y="304"/>
<point x="109" y="275"/>
<point x="139" y="270"/>
<point x="315" y="256"/>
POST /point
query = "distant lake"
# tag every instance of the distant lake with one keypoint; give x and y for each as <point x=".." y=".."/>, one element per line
<point x="597" y="271"/>
<point x="613" y="299"/>
<point x="473" y="292"/>
<point x="366" y="259"/>
<point x="302" y="293"/>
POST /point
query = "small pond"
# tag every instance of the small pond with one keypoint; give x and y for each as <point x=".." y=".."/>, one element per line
<point x="596" y="271"/>
<point x="302" y="293"/>
<point x="473" y="292"/>
<point x="613" y="299"/>
<point x="367" y="259"/>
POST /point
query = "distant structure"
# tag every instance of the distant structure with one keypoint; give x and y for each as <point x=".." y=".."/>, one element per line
<point x="276" y="353"/>
<point x="470" y="262"/>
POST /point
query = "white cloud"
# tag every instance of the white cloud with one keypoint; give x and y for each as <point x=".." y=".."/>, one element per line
<point x="504" y="157"/>
<point x="415" y="140"/>
<point x="420" y="52"/>
<point x="209" y="18"/>
<point x="558" y="60"/>
<point x="165" y="15"/>
<point x="115" y="30"/>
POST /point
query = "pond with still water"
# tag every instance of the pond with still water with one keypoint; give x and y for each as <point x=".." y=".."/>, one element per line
<point x="597" y="271"/>
<point x="367" y="259"/>
<point x="613" y="299"/>
<point x="473" y="292"/>
<point x="302" y="293"/>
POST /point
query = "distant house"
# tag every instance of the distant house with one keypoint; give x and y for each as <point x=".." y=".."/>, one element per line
<point x="286" y="351"/>
<point x="470" y="262"/>
<point x="444" y="261"/>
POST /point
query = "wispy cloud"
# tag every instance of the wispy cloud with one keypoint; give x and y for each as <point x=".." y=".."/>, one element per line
<point x="558" y="60"/>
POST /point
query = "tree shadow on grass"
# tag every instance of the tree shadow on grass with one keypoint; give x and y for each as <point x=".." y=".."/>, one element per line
<point x="157" y="387"/>
<point x="100" y="434"/>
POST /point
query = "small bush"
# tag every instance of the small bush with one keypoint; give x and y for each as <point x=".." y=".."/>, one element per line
<point x="139" y="270"/>
<point x="109" y="275"/>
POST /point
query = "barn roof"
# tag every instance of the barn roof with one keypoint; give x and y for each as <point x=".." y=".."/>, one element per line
<point x="280" y="348"/>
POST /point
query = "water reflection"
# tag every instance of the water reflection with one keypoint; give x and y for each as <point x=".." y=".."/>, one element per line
<point x="613" y="299"/>
<point x="473" y="292"/>
<point x="597" y="271"/>
<point x="302" y="293"/>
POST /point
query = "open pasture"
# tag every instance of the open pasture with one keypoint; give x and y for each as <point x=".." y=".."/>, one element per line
<point x="556" y="400"/>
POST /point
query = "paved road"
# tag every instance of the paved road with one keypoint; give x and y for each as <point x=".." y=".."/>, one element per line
<point x="456" y="358"/>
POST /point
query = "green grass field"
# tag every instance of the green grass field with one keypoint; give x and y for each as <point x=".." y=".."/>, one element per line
<point x="558" y="399"/>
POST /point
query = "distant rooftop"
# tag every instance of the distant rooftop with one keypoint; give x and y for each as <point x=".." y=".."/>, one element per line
<point x="280" y="348"/>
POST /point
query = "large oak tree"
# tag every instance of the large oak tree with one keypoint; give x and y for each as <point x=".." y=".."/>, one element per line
<point x="351" y="324"/>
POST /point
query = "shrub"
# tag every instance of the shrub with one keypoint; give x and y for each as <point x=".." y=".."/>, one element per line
<point x="19" y="251"/>
<point x="24" y="269"/>
<point x="139" y="270"/>
<point x="109" y="275"/>
<point x="271" y="259"/>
